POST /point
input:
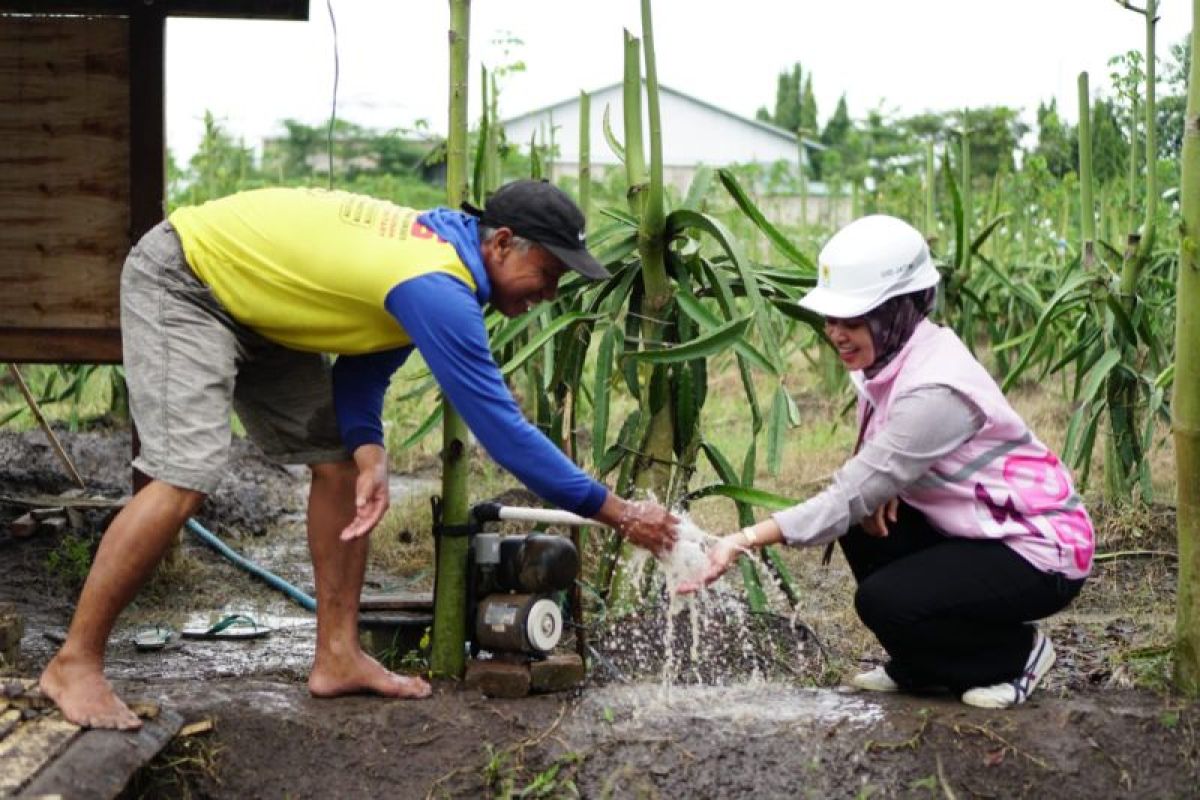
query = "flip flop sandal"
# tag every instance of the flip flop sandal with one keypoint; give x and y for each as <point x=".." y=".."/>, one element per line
<point x="153" y="638"/>
<point x="233" y="626"/>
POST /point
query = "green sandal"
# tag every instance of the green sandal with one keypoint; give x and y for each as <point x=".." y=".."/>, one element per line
<point x="233" y="626"/>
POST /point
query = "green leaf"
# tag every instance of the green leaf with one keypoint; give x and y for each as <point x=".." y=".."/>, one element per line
<point x="777" y="425"/>
<point x="794" y="310"/>
<point x="698" y="189"/>
<point x="687" y="413"/>
<point x="510" y="329"/>
<point x="1097" y="375"/>
<point x="719" y="462"/>
<point x="600" y="395"/>
<point x="708" y="320"/>
<point x="613" y="142"/>
<point x="1067" y="297"/>
<point x="987" y="232"/>
<point x="744" y="494"/>
<point x="424" y="428"/>
<point x="1129" y="336"/>
<point x="956" y="204"/>
<point x="717" y="340"/>
<point x="777" y="239"/>
<point x="683" y="219"/>
<point x="543" y="336"/>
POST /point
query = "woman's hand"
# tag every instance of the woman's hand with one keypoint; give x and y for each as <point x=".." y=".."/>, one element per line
<point x="876" y="524"/>
<point x="721" y="555"/>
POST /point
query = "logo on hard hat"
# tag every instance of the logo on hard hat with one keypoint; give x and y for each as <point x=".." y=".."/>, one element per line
<point x="825" y="274"/>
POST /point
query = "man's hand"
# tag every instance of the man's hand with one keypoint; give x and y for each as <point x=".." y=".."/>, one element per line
<point x="876" y="524"/>
<point x="646" y="524"/>
<point x="721" y="556"/>
<point x="370" y="491"/>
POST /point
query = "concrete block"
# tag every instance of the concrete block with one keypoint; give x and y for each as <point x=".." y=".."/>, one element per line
<point x="557" y="673"/>
<point x="23" y="526"/>
<point x="498" y="678"/>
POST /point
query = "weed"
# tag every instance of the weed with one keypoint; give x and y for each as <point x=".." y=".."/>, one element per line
<point x="187" y="767"/>
<point x="71" y="559"/>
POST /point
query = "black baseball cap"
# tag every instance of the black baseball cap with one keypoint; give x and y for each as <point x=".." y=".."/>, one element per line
<point x="541" y="212"/>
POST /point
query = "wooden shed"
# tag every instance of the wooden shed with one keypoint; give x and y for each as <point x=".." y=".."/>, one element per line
<point x="82" y="161"/>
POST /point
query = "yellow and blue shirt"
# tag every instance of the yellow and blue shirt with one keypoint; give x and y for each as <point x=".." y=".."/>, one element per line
<point x="368" y="280"/>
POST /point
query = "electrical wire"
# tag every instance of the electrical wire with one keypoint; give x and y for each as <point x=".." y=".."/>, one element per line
<point x="336" y="76"/>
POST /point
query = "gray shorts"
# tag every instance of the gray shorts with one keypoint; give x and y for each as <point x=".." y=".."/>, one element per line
<point x="188" y="363"/>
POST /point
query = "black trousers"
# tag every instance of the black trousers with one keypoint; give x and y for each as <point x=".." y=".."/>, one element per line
<point x="950" y="612"/>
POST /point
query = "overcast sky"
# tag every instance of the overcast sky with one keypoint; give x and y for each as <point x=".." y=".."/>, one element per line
<point x="910" y="56"/>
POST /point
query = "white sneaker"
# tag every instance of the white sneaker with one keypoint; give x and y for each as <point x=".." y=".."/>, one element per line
<point x="877" y="680"/>
<point x="1015" y="692"/>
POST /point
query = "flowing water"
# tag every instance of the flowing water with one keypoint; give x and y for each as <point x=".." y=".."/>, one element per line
<point x="709" y="638"/>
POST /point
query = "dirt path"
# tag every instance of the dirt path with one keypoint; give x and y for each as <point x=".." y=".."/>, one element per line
<point x="272" y="740"/>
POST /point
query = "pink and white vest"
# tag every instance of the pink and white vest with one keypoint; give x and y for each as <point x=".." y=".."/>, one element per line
<point x="1002" y="483"/>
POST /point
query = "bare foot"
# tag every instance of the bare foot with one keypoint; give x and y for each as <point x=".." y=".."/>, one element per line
<point x="84" y="695"/>
<point x="359" y="673"/>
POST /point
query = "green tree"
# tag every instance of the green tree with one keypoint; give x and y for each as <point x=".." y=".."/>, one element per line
<point x="1171" y="106"/>
<point x="1056" y="140"/>
<point x="834" y="136"/>
<point x="1110" y="148"/>
<point x="220" y="166"/>
<point x="787" y="99"/>
<point x="995" y="132"/>
<point x="808" y="107"/>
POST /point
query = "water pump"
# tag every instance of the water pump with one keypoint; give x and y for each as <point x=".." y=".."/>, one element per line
<point x="513" y="579"/>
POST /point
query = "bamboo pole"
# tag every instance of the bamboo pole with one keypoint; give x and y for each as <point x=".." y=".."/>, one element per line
<point x="1185" y="409"/>
<point x="1087" y="208"/>
<point x="1123" y="450"/>
<point x="585" y="154"/>
<point x="967" y="201"/>
<point x="655" y="476"/>
<point x="930" y="177"/>
<point x="447" y="656"/>
<point x="803" y="167"/>
<point x="55" y="444"/>
<point x="635" y="157"/>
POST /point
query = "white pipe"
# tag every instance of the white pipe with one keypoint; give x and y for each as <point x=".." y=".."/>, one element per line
<point x="547" y="515"/>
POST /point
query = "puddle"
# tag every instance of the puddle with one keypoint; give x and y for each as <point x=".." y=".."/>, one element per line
<point x="641" y="707"/>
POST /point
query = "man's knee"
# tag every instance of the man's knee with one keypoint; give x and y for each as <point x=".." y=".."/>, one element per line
<point x="182" y="502"/>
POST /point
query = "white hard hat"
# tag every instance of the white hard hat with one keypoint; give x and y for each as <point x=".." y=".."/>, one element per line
<point x="867" y="262"/>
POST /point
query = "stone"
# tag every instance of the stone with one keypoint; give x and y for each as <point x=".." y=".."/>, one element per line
<point x="498" y="678"/>
<point x="557" y="673"/>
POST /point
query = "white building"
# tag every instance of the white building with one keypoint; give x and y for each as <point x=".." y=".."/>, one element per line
<point x="694" y="133"/>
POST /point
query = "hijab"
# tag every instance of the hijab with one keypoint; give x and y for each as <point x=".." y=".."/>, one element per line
<point x="892" y="324"/>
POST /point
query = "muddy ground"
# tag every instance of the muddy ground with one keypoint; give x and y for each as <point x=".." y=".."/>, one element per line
<point x="759" y="713"/>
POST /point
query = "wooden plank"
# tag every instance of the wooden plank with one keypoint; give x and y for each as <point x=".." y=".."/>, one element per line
<point x="397" y="601"/>
<point x="246" y="9"/>
<point x="147" y="119"/>
<point x="30" y="747"/>
<point x="55" y="346"/>
<point x="62" y="501"/>
<point x="64" y="181"/>
<point x="99" y="764"/>
<point x="9" y="719"/>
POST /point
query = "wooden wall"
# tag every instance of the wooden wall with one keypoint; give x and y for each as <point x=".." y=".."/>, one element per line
<point x="64" y="186"/>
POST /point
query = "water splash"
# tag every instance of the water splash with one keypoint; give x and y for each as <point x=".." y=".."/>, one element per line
<point x="724" y="644"/>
